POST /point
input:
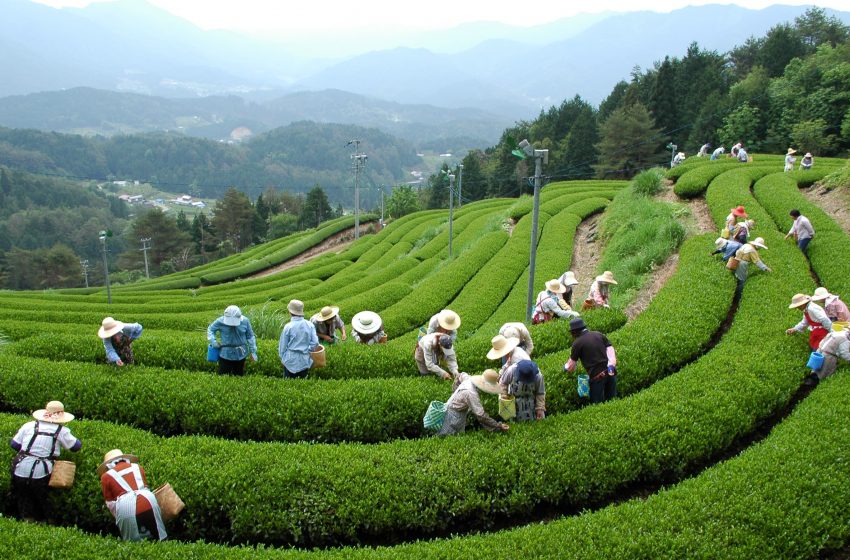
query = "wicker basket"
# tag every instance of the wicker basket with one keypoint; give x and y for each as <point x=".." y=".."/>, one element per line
<point x="318" y="357"/>
<point x="170" y="504"/>
<point x="63" y="474"/>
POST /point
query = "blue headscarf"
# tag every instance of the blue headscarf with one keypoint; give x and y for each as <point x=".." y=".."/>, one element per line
<point x="527" y="371"/>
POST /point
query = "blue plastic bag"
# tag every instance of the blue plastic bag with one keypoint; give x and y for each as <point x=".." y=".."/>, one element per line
<point x="212" y="353"/>
<point x="815" y="360"/>
<point x="583" y="386"/>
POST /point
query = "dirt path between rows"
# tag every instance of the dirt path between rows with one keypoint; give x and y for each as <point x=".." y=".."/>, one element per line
<point x="586" y="254"/>
<point x="836" y="203"/>
<point x="335" y="243"/>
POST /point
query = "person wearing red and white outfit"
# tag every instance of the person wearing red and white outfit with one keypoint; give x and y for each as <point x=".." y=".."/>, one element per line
<point x="125" y="490"/>
<point x="814" y="318"/>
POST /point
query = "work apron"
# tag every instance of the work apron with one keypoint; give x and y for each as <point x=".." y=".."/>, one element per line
<point x="817" y="333"/>
<point x="125" y="505"/>
<point x="46" y="463"/>
<point x="525" y="394"/>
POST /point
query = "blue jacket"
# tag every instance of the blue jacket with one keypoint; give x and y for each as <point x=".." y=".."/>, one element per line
<point x="236" y="342"/>
<point x="297" y="340"/>
<point x="131" y="331"/>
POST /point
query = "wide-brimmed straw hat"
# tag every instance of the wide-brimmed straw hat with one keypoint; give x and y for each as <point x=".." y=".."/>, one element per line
<point x="555" y="287"/>
<point x="114" y="455"/>
<point x="109" y="327"/>
<point x="54" y="412"/>
<point x="487" y="381"/>
<point x="606" y="277"/>
<point x="501" y="346"/>
<point x="798" y="300"/>
<point x="569" y="279"/>
<point x="821" y="294"/>
<point x="296" y="307"/>
<point x="232" y="316"/>
<point x="448" y="319"/>
<point x="719" y="242"/>
<point x="366" y="322"/>
<point x="758" y="242"/>
<point x="739" y="211"/>
<point x="327" y="313"/>
<point x="791" y="151"/>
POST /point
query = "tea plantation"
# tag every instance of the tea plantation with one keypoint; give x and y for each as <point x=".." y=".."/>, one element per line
<point x="712" y="450"/>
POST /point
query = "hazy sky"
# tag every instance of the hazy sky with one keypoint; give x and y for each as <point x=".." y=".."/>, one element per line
<point x="265" y="15"/>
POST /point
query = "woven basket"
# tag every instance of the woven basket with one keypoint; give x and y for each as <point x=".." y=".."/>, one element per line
<point x="318" y="356"/>
<point x="170" y="504"/>
<point x="63" y="474"/>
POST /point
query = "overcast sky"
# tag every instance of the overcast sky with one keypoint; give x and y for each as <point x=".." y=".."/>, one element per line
<point x="267" y="15"/>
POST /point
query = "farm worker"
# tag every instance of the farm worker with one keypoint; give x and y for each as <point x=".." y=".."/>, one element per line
<point x="327" y="322"/>
<point x="237" y="340"/>
<point x="835" y="309"/>
<point x="549" y="304"/>
<point x="742" y="230"/>
<point x="703" y="151"/>
<point x="802" y="230"/>
<point x="598" y="358"/>
<point x="746" y="255"/>
<point x="506" y="349"/>
<point x="807" y="161"/>
<point x="430" y="350"/>
<point x="677" y="159"/>
<point x="834" y="346"/>
<point x="727" y="247"/>
<point x="743" y="157"/>
<point x="732" y="221"/>
<point x="446" y="321"/>
<point x="790" y="159"/>
<point x="132" y="504"/>
<point x="367" y="328"/>
<point x="717" y="153"/>
<point x="814" y="318"/>
<point x="600" y="290"/>
<point x="524" y="382"/>
<point x="466" y="399"/>
<point x="520" y="331"/>
<point x="37" y="444"/>
<point x="568" y="280"/>
<point x="118" y="340"/>
<point x="297" y="340"/>
<point x="735" y="149"/>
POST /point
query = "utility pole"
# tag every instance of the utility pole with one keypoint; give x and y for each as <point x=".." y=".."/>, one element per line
<point x="382" y="206"/>
<point x="540" y="157"/>
<point x="146" y="244"/>
<point x="359" y="161"/>
<point x="84" y="264"/>
<point x="451" y="208"/>
<point x="460" y="185"/>
<point x="103" y="235"/>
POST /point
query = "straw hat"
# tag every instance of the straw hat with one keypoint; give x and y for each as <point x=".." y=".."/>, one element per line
<point x="799" y="300"/>
<point x="487" y="382"/>
<point x="739" y="211"/>
<point x="327" y="313"/>
<point x="555" y="287"/>
<point x="448" y="319"/>
<point x="502" y="346"/>
<point x="366" y="322"/>
<point x="821" y="294"/>
<point x="791" y="151"/>
<point x="758" y="242"/>
<point x="296" y="307"/>
<point x="109" y="327"/>
<point x="232" y="316"/>
<point x="114" y="455"/>
<point x="606" y="277"/>
<point x="569" y="279"/>
<point x="53" y="412"/>
<point x="719" y="242"/>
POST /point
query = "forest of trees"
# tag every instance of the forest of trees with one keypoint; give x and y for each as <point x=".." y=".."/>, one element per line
<point x="788" y="88"/>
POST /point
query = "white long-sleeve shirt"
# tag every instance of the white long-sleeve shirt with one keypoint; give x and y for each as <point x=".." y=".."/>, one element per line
<point x="802" y="227"/>
<point x="818" y="315"/>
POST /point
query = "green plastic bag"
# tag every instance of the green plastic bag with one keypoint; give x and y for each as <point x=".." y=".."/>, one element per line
<point x="434" y="416"/>
<point x="507" y="407"/>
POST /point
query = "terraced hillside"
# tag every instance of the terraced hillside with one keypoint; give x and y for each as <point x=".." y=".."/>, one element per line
<point x="341" y="459"/>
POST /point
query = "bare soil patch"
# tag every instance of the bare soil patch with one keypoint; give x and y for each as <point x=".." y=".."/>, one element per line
<point x="586" y="254"/>
<point x="836" y="203"/>
<point x="654" y="281"/>
<point x="703" y="222"/>
<point x="335" y="243"/>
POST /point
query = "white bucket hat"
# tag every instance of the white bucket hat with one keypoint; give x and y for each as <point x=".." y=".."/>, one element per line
<point x="821" y="294"/>
<point x="296" y="307"/>
<point x="366" y="322"/>
<point x="501" y="346"/>
<point x="719" y="242"/>
<point x="607" y="277"/>
<point x="555" y="287"/>
<point x="448" y="319"/>
<point x="109" y="327"/>
<point x="487" y="382"/>
<point x="759" y="242"/>
<point x="232" y="316"/>
<point x="54" y="412"/>
<point x="569" y="278"/>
